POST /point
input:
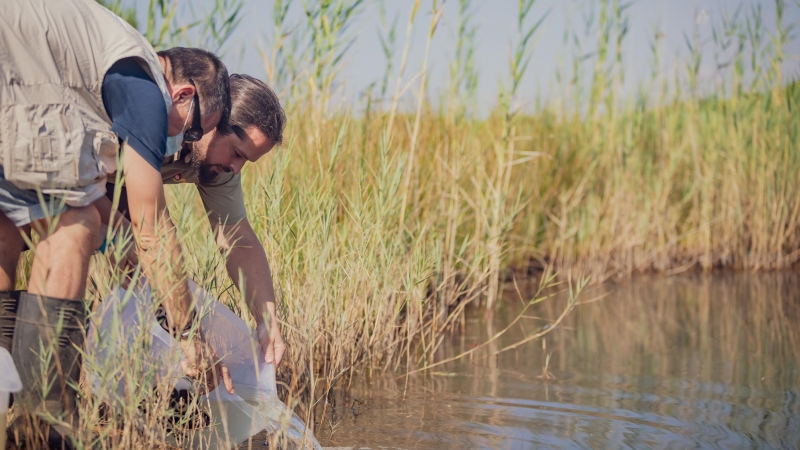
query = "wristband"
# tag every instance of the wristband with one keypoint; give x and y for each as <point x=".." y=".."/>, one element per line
<point x="104" y="246"/>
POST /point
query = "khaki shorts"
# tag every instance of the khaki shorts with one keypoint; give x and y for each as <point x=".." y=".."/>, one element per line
<point x="25" y="206"/>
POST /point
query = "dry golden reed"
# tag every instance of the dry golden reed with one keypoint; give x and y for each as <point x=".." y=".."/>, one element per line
<point x="383" y="220"/>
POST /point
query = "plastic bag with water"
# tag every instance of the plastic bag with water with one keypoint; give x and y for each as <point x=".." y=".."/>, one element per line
<point x="125" y="317"/>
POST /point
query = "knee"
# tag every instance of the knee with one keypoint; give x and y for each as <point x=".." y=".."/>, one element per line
<point x="85" y="221"/>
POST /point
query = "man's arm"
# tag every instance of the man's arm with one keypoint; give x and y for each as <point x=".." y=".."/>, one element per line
<point x="121" y="228"/>
<point x="140" y="119"/>
<point x="161" y="259"/>
<point x="246" y="256"/>
<point x="159" y="249"/>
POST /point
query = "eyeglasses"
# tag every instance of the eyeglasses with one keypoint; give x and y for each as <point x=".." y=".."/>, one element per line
<point x="194" y="133"/>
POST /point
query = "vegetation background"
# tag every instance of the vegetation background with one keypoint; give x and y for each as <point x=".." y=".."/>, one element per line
<point x="384" y="218"/>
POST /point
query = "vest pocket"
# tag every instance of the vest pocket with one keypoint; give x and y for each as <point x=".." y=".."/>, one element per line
<point x="50" y="146"/>
<point x="106" y="148"/>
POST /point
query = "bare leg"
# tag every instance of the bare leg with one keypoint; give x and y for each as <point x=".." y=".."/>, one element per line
<point x="11" y="245"/>
<point x="61" y="261"/>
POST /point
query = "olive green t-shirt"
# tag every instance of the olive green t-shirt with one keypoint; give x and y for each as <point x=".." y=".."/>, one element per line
<point x="222" y="198"/>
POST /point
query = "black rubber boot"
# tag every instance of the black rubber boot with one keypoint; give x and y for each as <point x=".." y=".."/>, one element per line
<point x="8" y="317"/>
<point x="49" y="333"/>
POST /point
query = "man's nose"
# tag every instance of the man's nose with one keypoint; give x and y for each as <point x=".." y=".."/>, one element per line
<point x="236" y="167"/>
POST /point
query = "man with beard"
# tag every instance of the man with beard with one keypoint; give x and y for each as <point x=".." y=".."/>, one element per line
<point x="213" y="164"/>
<point x="81" y="93"/>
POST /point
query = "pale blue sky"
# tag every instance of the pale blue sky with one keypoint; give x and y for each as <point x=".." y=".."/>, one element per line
<point x="496" y="21"/>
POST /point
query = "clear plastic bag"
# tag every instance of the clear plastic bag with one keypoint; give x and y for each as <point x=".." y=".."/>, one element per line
<point x="9" y="382"/>
<point x="125" y="321"/>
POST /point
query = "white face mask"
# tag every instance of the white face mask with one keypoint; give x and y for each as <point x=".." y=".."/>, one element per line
<point x="174" y="142"/>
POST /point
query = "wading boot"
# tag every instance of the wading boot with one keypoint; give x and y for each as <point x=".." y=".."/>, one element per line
<point x="49" y="333"/>
<point x="8" y="317"/>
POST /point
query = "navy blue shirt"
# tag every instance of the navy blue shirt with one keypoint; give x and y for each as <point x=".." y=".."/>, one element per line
<point x="137" y="110"/>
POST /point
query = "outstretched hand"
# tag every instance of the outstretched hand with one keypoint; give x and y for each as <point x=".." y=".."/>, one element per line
<point x="203" y="364"/>
<point x="272" y="344"/>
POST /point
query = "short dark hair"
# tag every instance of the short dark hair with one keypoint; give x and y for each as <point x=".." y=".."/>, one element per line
<point x="253" y="103"/>
<point x="207" y="72"/>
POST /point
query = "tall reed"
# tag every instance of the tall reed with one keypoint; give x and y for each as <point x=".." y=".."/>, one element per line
<point x="382" y="226"/>
<point x="399" y="217"/>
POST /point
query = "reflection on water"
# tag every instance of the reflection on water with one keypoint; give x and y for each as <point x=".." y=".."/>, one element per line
<point x="681" y="362"/>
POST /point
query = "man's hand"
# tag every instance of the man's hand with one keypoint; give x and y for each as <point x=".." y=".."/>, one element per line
<point x="271" y="342"/>
<point x="203" y="364"/>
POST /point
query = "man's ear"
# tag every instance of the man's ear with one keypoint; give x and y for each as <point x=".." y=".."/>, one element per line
<point x="182" y="93"/>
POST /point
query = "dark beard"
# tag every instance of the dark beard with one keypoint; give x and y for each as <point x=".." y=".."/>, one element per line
<point x="203" y="173"/>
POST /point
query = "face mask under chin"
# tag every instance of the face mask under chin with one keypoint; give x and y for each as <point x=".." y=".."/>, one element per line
<point x="174" y="143"/>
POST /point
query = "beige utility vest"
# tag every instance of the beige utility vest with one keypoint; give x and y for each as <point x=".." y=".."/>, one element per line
<point x="55" y="135"/>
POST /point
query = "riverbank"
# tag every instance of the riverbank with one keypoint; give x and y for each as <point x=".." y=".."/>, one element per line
<point x="372" y="272"/>
<point x="375" y="257"/>
<point x="385" y="219"/>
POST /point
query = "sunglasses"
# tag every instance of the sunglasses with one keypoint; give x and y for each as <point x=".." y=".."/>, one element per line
<point x="194" y="133"/>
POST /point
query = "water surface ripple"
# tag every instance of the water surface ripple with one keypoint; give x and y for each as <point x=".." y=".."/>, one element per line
<point x="695" y="361"/>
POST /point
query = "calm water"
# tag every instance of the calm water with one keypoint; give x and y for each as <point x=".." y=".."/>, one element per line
<point x="682" y="362"/>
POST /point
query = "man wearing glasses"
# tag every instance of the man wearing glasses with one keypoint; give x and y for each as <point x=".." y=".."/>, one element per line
<point x="213" y="162"/>
<point x="79" y="88"/>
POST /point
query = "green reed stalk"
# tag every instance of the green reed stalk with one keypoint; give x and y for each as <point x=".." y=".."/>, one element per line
<point x="399" y="89"/>
<point x="463" y="75"/>
<point x="277" y="73"/>
<point x="499" y="217"/>
<point x="436" y="14"/>
<point x="387" y="34"/>
<point x="382" y="228"/>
